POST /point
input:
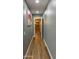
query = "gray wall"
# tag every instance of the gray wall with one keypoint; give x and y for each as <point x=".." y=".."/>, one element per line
<point x="27" y="30"/>
<point x="50" y="28"/>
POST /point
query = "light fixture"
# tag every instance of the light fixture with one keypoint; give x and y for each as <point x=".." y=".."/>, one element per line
<point x="37" y="12"/>
<point x="37" y="1"/>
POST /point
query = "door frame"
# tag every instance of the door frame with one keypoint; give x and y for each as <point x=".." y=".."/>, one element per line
<point x="38" y="17"/>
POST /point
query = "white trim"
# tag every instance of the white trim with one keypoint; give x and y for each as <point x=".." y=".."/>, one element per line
<point x="34" y="26"/>
<point x="28" y="47"/>
<point x="28" y="56"/>
<point x="48" y="50"/>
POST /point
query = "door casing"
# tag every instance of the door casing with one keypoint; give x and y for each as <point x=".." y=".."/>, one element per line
<point x="38" y="17"/>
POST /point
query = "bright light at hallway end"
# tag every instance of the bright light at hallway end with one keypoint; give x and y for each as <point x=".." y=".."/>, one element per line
<point x="37" y="1"/>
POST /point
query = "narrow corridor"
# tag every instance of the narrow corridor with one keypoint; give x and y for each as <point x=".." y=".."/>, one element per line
<point x="37" y="49"/>
<point x="39" y="38"/>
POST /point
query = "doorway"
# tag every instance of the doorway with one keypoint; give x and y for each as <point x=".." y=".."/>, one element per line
<point x="38" y="26"/>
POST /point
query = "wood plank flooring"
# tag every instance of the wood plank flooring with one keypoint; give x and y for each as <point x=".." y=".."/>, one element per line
<point x="37" y="48"/>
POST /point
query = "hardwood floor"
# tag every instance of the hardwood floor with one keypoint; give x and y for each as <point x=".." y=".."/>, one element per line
<point x="37" y="48"/>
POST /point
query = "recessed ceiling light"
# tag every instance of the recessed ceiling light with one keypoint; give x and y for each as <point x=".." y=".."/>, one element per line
<point x="37" y="12"/>
<point x="37" y="1"/>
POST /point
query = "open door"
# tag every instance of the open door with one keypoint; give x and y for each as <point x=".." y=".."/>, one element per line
<point x="38" y="26"/>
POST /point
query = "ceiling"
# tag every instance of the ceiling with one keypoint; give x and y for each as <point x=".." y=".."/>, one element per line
<point x="37" y="6"/>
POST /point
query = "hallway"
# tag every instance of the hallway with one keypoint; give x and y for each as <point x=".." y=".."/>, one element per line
<point x="39" y="35"/>
<point x="37" y="48"/>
